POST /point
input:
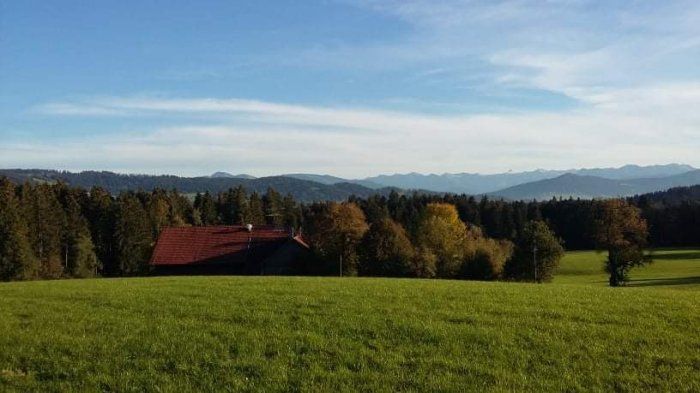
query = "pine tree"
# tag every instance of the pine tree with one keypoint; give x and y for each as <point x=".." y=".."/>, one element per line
<point x="133" y="235"/>
<point x="45" y="218"/>
<point x="206" y="206"/>
<point x="180" y="209"/>
<point x="84" y="262"/>
<point x="101" y="217"/>
<point x="16" y="259"/>
<point x="235" y="207"/>
<point x="274" y="208"/>
<point x="225" y="207"/>
<point x="256" y="214"/>
<point x="292" y="212"/>
<point x="78" y="249"/>
<point x="375" y="209"/>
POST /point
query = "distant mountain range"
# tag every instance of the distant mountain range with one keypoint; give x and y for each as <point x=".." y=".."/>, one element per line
<point x="230" y="176"/>
<point x="583" y="186"/>
<point x="540" y="184"/>
<point x="474" y="183"/>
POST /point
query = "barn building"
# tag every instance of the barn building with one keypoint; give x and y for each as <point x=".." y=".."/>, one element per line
<point x="229" y="250"/>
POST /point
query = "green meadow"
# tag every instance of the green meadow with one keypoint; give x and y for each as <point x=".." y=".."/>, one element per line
<point x="273" y="334"/>
<point x="672" y="269"/>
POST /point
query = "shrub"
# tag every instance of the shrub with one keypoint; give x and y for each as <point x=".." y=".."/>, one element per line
<point x="486" y="259"/>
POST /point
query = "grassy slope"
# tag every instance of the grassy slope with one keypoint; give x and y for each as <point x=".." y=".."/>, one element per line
<point x="677" y="269"/>
<point x="267" y="333"/>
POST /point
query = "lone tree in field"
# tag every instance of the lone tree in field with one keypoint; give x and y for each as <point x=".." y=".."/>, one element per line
<point x="537" y="254"/>
<point x="621" y="231"/>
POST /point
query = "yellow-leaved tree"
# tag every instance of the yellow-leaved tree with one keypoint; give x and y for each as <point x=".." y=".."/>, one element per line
<point x="441" y="232"/>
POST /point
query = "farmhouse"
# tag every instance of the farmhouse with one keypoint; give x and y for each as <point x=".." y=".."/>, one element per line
<point x="229" y="250"/>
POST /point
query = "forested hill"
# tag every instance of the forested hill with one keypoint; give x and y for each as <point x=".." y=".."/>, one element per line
<point x="673" y="197"/>
<point x="301" y="190"/>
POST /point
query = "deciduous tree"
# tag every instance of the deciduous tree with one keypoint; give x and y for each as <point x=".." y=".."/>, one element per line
<point x="484" y="258"/>
<point x="335" y="229"/>
<point x="622" y="232"/>
<point x="441" y="232"/>
<point x="386" y="250"/>
<point x="537" y="254"/>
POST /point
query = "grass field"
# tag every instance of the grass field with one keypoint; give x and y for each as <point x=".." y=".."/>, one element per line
<point x="332" y="334"/>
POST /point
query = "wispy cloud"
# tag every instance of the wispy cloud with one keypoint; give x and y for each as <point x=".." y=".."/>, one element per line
<point x="563" y="46"/>
<point x="78" y="109"/>
<point x="639" y="125"/>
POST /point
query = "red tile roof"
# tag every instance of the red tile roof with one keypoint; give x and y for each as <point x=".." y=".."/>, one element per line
<point x="218" y="244"/>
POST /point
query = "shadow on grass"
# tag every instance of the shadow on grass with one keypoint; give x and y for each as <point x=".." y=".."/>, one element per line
<point x="660" y="255"/>
<point x="664" y="281"/>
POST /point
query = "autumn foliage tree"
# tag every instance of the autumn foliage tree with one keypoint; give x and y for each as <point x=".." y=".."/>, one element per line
<point x="442" y="233"/>
<point x="386" y="250"/>
<point x="73" y="232"/>
<point x="622" y="232"/>
<point x="334" y="231"/>
<point x="484" y="257"/>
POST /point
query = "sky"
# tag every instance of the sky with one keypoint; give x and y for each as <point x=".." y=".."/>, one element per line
<point x="351" y="88"/>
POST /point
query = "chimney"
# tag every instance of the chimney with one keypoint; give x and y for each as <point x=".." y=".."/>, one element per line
<point x="249" y="227"/>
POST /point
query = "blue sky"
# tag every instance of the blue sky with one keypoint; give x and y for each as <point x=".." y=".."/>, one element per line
<point x="351" y="88"/>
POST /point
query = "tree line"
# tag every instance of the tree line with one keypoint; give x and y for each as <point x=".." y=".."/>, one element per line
<point x="348" y="241"/>
<point x="53" y="230"/>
